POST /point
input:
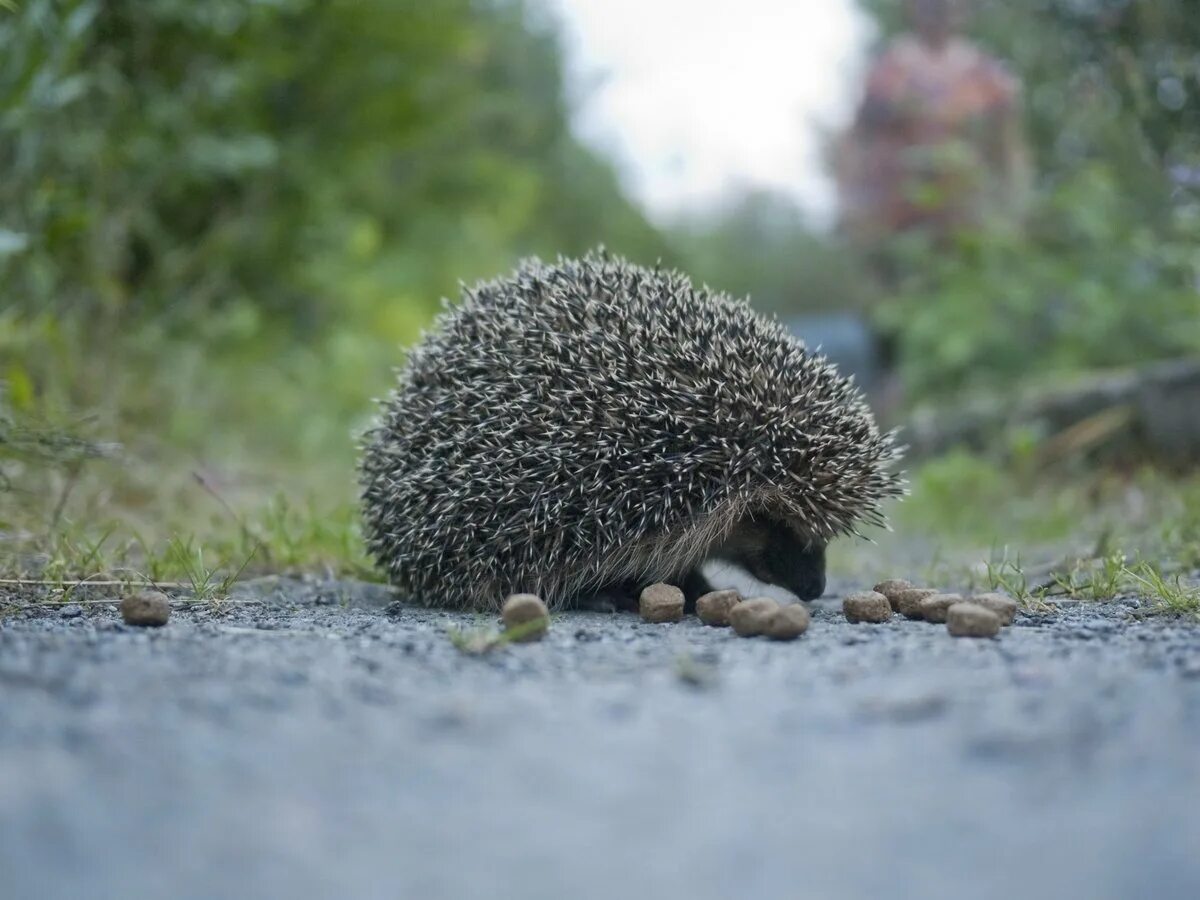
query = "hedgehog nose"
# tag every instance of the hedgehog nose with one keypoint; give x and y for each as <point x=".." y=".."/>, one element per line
<point x="812" y="587"/>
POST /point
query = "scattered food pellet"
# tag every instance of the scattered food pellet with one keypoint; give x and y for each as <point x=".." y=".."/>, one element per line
<point x="892" y="586"/>
<point x="908" y="602"/>
<point x="526" y="617"/>
<point x="1001" y="604"/>
<point x="713" y="608"/>
<point x="788" y="622"/>
<point x="935" y="606"/>
<point x="749" y="618"/>
<point x="969" y="620"/>
<point x="146" y="608"/>
<point x="868" y="606"/>
<point x="661" y="603"/>
<point x="70" y="611"/>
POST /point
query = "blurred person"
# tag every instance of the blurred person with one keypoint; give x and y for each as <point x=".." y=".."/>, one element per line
<point x="937" y="144"/>
<point x="936" y="149"/>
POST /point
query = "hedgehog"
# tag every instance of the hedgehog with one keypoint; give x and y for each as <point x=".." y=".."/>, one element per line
<point x="581" y="429"/>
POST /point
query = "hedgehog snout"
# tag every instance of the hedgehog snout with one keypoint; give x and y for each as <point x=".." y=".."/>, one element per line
<point x="798" y="567"/>
<point x="772" y="551"/>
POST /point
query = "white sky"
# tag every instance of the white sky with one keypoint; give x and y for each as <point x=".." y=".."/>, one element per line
<point x="693" y="97"/>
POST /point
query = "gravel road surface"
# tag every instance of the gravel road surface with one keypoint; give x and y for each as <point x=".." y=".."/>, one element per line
<point x="318" y="743"/>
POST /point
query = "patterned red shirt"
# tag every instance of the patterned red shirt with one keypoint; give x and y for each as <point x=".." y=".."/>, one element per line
<point x="926" y="147"/>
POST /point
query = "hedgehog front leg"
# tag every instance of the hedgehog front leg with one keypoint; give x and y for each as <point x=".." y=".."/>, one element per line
<point x="618" y="597"/>
<point x="695" y="585"/>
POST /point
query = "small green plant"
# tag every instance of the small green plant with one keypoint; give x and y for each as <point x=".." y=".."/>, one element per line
<point x="72" y="555"/>
<point x="296" y="536"/>
<point x="207" y="584"/>
<point x="1008" y="575"/>
<point x="1169" y="593"/>
<point x="1097" y="582"/>
<point x="474" y="641"/>
<point x="483" y="639"/>
<point x="1181" y="534"/>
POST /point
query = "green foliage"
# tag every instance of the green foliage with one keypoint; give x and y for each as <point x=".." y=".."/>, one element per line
<point x="1105" y="79"/>
<point x="970" y="499"/>
<point x="294" y="157"/>
<point x="219" y="221"/>
<point x="1107" y="269"/>
<point x="1169" y="592"/>
<point x="1088" y="284"/>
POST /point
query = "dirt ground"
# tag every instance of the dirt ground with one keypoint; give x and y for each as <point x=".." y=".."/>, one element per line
<point x="319" y="742"/>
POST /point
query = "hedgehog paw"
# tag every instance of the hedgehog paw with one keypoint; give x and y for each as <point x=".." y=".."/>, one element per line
<point x="695" y="585"/>
<point x="609" y="600"/>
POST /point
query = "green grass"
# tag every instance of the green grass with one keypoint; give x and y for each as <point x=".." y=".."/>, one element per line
<point x="122" y="533"/>
<point x="208" y="585"/>
<point x="1097" y="581"/>
<point x="1007" y="575"/>
<point x="1168" y="592"/>
<point x="150" y="458"/>
<point x="1039" y="536"/>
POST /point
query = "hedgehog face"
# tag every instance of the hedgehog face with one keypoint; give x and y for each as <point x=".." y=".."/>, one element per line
<point x="795" y="565"/>
<point x="774" y="553"/>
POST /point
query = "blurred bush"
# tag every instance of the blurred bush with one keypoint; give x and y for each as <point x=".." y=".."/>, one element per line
<point x="288" y="156"/>
<point x="219" y="220"/>
<point x="1107" y="268"/>
<point x="1087" y="284"/>
<point x="247" y="197"/>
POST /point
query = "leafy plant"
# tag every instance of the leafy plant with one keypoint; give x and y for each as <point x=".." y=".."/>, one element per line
<point x="208" y="584"/>
<point x="1169" y="592"/>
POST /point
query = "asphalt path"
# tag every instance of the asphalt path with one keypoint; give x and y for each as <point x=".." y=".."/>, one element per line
<point x="322" y="740"/>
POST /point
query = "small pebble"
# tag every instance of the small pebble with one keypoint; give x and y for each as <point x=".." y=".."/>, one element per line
<point x="788" y="622"/>
<point x="70" y="611"/>
<point x="969" y="620"/>
<point x="526" y="615"/>
<point x="868" y="606"/>
<point x="661" y="603"/>
<point x="908" y="602"/>
<point x="713" y="608"/>
<point x="892" y="586"/>
<point x="934" y="607"/>
<point x="146" y="608"/>
<point x="1001" y="604"/>
<point x="749" y="618"/>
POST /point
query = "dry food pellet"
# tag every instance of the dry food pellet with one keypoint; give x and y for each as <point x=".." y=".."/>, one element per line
<point x="713" y="608"/>
<point x="969" y="620"/>
<point x="526" y="616"/>
<point x="868" y="606"/>
<point x="661" y="603"/>
<point x="749" y="618"/>
<point x="934" y="607"/>
<point x="147" y="608"/>
<point x="1001" y="604"/>
<point x="892" y="586"/>
<point x="788" y="622"/>
<point x="908" y="602"/>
